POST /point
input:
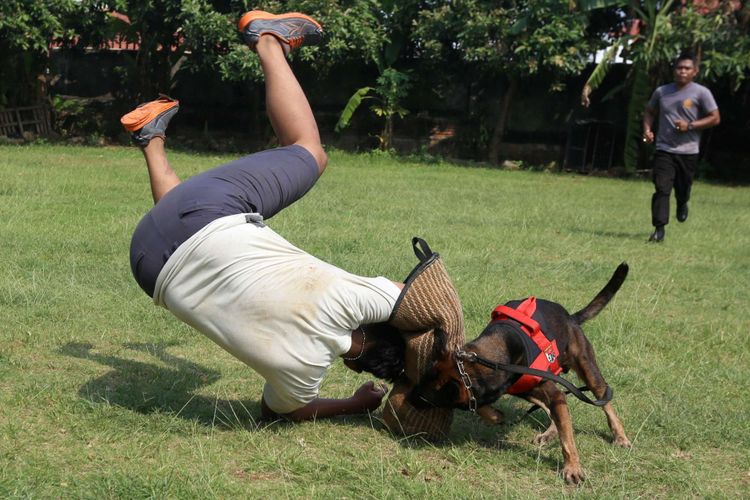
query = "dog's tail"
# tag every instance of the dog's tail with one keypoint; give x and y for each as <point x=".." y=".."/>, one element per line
<point x="603" y="297"/>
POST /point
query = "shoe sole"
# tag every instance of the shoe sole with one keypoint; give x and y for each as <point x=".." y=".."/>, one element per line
<point x="255" y="15"/>
<point x="142" y="115"/>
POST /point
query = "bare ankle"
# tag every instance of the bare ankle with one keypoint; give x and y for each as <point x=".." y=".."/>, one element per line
<point x="156" y="143"/>
<point x="268" y="43"/>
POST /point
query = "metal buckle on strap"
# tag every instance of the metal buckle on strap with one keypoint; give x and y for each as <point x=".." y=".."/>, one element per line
<point x="465" y="379"/>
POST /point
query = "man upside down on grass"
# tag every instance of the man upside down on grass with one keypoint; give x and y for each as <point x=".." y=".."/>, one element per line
<point x="204" y="253"/>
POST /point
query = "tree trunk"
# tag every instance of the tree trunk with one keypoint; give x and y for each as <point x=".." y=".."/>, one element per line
<point x="387" y="137"/>
<point x="155" y="70"/>
<point x="502" y="120"/>
<point x="174" y="69"/>
<point x="143" y="74"/>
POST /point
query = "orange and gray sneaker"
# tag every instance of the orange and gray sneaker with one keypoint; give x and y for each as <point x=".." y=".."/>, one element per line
<point x="293" y="29"/>
<point x="150" y="119"/>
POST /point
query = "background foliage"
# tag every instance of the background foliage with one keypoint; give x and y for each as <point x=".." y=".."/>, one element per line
<point x="413" y="53"/>
<point x="654" y="32"/>
<point x="26" y="30"/>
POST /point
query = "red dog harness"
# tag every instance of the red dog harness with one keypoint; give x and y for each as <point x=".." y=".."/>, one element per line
<point x="543" y="351"/>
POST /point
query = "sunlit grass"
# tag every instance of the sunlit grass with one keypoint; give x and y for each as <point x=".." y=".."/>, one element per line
<point x="105" y="395"/>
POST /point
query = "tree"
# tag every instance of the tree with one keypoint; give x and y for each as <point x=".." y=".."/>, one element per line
<point x="170" y="36"/>
<point x="719" y="35"/>
<point x="27" y="29"/>
<point x="155" y="27"/>
<point x="353" y="30"/>
<point x="510" y="41"/>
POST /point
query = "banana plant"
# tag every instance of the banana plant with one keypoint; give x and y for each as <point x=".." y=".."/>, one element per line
<point x="392" y="87"/>
<point x="395" y="21"/>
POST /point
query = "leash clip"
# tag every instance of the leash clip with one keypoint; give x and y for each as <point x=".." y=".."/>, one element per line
<point x="471" y="357"/>
<point x="465" y="379"/>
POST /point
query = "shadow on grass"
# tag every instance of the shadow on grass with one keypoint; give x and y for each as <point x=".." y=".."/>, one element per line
<point x="468" y="428"/>
<point x="630" y="235"/>
<point x="150" y="388"/>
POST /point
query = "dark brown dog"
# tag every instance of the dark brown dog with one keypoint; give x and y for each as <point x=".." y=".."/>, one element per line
<point x="500" y="342"/>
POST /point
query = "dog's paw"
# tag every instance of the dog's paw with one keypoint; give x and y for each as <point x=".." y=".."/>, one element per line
<point x="622" y="441"/>
<point x="573" y="474"/>
<point x="546" y="436"/>
<point x="490" y="415"/>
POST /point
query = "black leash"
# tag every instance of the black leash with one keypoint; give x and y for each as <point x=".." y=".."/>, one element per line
<point x="535" y="407"/>
<point x="473" y="357"/>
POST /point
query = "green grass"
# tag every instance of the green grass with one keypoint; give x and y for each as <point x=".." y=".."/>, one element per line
<point x="104" y="395"/>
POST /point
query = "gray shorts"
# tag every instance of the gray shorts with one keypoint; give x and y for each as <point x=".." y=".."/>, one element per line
<point x="264" y="182"/>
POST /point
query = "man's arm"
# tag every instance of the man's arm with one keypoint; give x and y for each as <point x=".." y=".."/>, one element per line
<point x="710" y="120"/>
<point x="366" y="398"/>
<point x="648" y="122"/>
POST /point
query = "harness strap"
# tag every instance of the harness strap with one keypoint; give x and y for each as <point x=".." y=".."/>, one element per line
<point x="531" y="327"/>
<point x="522" y="314"/>
<point x="548" y="355"/>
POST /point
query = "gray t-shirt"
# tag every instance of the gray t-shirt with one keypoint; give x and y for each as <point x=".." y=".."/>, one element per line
<point x="690" y="103"/>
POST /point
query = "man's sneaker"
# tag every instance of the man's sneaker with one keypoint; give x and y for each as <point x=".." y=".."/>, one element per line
<point x="150" y="119"/>
<point x="293" y="29"/>
<point x="682" y="212"/>
<point x="657" y="236"/>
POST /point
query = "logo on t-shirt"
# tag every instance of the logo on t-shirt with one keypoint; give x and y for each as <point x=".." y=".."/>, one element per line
<point x="687" y="103"/>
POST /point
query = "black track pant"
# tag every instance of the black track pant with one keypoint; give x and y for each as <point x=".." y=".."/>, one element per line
<point x="671" y="170"/>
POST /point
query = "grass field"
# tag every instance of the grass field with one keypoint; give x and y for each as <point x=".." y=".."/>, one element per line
<point x="104" y="395"/>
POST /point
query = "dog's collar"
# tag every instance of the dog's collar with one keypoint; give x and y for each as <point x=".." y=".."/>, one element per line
<point x="465" y="379"/>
